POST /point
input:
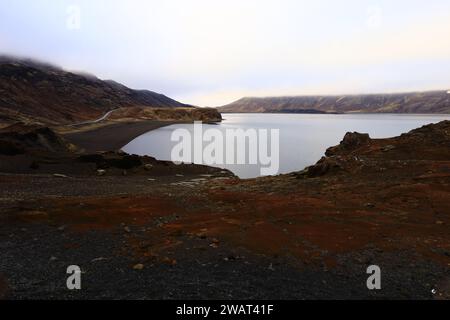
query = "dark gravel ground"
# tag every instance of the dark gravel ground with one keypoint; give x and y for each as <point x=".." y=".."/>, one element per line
<point x="34" y="259"/>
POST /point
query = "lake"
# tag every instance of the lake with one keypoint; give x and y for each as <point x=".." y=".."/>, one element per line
<point x="303" y="138"/>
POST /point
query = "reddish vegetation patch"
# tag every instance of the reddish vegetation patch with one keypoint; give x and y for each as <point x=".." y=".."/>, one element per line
<point x="108" y="213"/>
<point x="296" y="225"/>
<point x="312" y="228"/>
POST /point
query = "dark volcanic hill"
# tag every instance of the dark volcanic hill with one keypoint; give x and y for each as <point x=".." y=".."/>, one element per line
<point x="45" y="93"/>
<point x="419" y="102"/>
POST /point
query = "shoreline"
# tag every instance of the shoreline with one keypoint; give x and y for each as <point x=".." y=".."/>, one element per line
<point x="114" y="136"/>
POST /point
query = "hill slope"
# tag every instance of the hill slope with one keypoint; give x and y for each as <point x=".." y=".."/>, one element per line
<point x="45" y="93"/>
<point x="419" y="102"/>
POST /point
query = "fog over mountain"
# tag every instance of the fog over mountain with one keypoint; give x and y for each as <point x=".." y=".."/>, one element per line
<point x="211" y="53"/>
<point x="41" y="91"/>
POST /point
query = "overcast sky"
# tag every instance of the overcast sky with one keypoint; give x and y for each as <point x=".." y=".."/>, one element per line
<point x="209" y="52"/>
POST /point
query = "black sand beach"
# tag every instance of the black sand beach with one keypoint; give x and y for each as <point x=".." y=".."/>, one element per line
<point x="113" y="136"/>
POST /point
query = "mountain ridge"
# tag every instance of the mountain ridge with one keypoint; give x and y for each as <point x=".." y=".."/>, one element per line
<point x="437" y="101"/>
<point x="31" y="90"/>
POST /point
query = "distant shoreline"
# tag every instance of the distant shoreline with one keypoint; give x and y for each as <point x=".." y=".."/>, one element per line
<point x="342" y="113"/>
<point x="282" y="112"/>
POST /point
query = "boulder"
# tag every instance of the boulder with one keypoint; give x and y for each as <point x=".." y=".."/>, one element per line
<point x="351" y="142"/>
<point x="324" y="166"/>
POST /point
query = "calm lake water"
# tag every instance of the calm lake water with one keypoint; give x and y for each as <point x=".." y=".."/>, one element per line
<point x="303" y="138"/>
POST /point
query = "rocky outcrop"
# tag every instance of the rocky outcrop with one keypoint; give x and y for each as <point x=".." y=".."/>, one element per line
<point x="173" y="114"/>
<point x="22" y="138"/>
<point x="117" y="160"/>
<point x="322" y="167"/>
<point x="351" y="142"/>
<point x="357" y="153"/>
